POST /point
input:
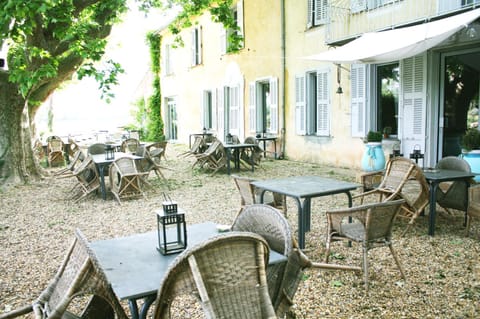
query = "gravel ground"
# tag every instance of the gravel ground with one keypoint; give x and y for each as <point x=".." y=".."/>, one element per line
<point x="37" y="223"/>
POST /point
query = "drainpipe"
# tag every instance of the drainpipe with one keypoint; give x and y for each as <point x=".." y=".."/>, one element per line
<point x="282" y="120"/>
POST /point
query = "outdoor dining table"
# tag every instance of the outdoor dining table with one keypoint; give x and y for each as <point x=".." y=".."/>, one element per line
<point x="303" y="189"/>
<point x="233" y="152"/>
<point x="135" y="268"/>
<point x="434" y="177"/>
<point x="102" y="163"/>
<point x="263" y="140"/>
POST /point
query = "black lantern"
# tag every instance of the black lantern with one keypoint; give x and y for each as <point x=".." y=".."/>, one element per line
<point x="109" y="152"/>
<point x="229" y="138"/>
<point x="172" y="232"/>
<point x="395" y="152"/>
<point x="416" y="153"/>
<point x="204" y="130"/>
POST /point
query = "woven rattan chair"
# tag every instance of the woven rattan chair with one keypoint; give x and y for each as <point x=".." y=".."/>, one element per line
<point x="158" y="149"/>
<point x="87" y="177"/>
<point x="254" y="154"/>
<point x="55" y="152"/>
<point x="97" y="148"/>
<point x="214" y="158"/>
<point x="453" y="195"/>
<point x="226" y="274"/>
<point x="197" y="147"/>
<point x="150" y="163"/>
<point x="130" y="145"/>
<point x="77" y="159"/>
<point x="402" y="179"/>
<point x="125" y="179"/>
<point x="473" y="210"/>
<point x="80" y="277"/>
<point x="283" y="278"/>
<point x="73" y="147"/>
<point x="249" y="195"/>
<point x="371" y="226"/>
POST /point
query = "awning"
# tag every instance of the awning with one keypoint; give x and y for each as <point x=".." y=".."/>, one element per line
<point x="397" y="44"/>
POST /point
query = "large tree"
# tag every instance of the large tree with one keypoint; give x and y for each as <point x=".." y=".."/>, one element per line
<point x="48" y="42"/>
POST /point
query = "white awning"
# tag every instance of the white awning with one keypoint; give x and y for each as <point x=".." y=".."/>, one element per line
<point x="397" y="44"/>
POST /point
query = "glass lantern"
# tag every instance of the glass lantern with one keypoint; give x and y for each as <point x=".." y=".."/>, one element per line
<point x="172" y="232"/>
<point x="109" y="152"/>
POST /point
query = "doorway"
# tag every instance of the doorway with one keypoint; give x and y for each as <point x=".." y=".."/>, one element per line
<point x="460" y="97"/>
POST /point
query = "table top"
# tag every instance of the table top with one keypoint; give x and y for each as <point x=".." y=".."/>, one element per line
<point x="305" y="186"/>
<point x="240" y="145"/>
<point x="439" y="175"/>
<point x="266" y="138"/>
<point x="100" y="158"/>
<point x="134" y="266"/>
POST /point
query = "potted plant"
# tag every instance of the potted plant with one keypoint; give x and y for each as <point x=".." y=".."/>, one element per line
<point x="387" y="130"/>
<point x="373" y="158"/>
<point x="471" y="149"/>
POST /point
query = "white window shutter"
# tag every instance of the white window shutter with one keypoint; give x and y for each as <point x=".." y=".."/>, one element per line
<point x="358" y="99"/>
<point x="323" y="101"/>
<point x="273" y="105"/>
<point x="252" y="107"/>
<point x="214" y="110"/>
<point x="199" y="46"/>
<point x="309" y="13"/>
<point x="221" y="112"/>
<point x="414" y="102"/>
<point x="240" y="16"/>
<point x="300" y="106"/>
<point x="234" y="110"/>
<point x="320" y="12"/>
<point x="223" y="40"/>
<point x="193" y="57"/>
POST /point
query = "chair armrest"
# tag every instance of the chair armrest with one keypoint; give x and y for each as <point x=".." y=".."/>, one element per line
<point x="474" y="193"/>
<point x="370" y="180"/>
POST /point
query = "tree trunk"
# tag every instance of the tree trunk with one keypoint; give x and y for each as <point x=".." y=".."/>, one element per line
<point x="17" y="163"/>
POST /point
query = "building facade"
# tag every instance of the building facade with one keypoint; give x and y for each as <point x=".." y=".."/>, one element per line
<point x="320" y="74"/>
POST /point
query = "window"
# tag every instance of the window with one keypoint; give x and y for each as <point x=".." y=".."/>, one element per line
<point x="263" y="106"/>
<point x="312" y="103"/>
<point x="171" y="118"/>
<point x="229" y="110"/>
<point x="232" y="40"/>
<point x="196" y="46"/>
<point x="208" y="111"/>
<point x="316" y="12"/>
<point x="450" y="5"/>
<point x="387" y="89"/>
<point x="167" y="58"/>
<point x="361" y="5"/>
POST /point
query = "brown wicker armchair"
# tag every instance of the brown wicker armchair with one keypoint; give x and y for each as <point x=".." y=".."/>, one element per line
<point x="55" y="152"/>
<point x="130" y="145"/>
<point x="226" y="274"/>
<point x="283" y="278"/>
<point x="453" y="195"/>
<point x="78" y="158"/>
<point x="214" y="158"/>
<point x="125" y="179"/>
<point x="249" y="195"/>
<point x="402" y="179"/>
<point x="80" y="276"/>
<point x="97" y="148"/>
<point x="87" y="177"/>
<point x="371" y="226"/>
<point x="197" y="147"/>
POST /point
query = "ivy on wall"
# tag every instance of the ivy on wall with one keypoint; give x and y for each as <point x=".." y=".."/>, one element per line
<point x="154" y="105"/>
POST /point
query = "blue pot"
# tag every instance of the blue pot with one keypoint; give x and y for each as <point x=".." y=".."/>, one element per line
<point x="473" y="159"/>
<point x="373" y="158"/>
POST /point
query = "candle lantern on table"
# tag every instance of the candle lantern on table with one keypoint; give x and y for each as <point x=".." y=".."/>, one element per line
<point x="416" y="154"/>
<point x="109" y="152"/>
<point x="229" y="138"/>
<point x="172" y="229"/>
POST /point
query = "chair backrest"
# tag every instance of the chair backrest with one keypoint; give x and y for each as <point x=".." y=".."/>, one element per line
<point x="79" y="275"/>
<point x="454" y="163"/>
<point x="379" y="218"/>
<point x="283" y="279"/>
<point x="130" y="145"/>
<point x="455" y="195"/>
<point x="398" y="170"/>
<point x="125" y="165"/>
<point x="246" y="189"/>
<point x="55" y="145"/>
<point x="228" y="275"/>
<point x="97" y="148"/>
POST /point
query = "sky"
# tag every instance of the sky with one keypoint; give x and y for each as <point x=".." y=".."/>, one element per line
<point x="78" y="108"/>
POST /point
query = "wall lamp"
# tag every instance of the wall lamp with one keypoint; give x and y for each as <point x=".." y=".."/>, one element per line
<point x="339" y="76"/>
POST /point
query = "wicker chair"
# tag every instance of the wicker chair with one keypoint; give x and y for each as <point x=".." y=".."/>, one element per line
<point x="197" y="147"/>
<point x="73" y="147"/>
<point x="78" y="158"/>
<point x="97" y="148"/>
<point x="87" y="177"/>
<point x="473" y="210"/>
<point x="80" y="276"/>
<point x="402" y="179"/>
<point x="125" y="179"/>
<point x="453" y="195"/>
<point x="213" y="158"/>
<point x="55" y="152"/>
<point x="149" y="163"/>
<point x="254" y="155"/>
<point x="372" y="227"/>
<point x="283" y="278"/>
<point x="226" y="274"/>
<point x="130" y="145"/>
<point x="158" y="149"/>
<point x="249" y="195"/>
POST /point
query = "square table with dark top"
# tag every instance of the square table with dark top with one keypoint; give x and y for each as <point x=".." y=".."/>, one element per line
<point x="436" y="176"/>
<point x="135" y="268"/>
<point x="233" y="151"/>
<point x="303" y="189"/>
<point x="102" y="163"/>
<point x="263" y="140"/>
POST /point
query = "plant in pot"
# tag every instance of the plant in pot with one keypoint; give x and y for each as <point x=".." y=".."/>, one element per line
<point x="373" y="158"/>
<point x="471" y="149"/>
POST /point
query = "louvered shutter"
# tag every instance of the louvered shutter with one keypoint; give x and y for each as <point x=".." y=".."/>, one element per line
<point x="323" y="101"/>
<point x="358" y="99"/>
<point x="221" y="113"/>
<point x="320" y="12"/>
<point x="300" y="111"/>
<point x="252" y="107"/>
